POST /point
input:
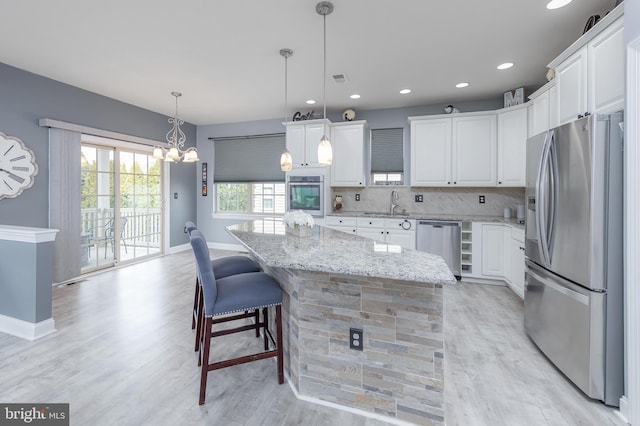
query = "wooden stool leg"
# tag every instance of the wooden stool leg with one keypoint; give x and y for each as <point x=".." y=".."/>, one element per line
<point x="205" y="360"/>
<point x="257" y="321"/>
<point x="199" y="316"/>
<point x="195" y="305"/>
<point x="280" y="355"/>
<point x="265" y="317"/>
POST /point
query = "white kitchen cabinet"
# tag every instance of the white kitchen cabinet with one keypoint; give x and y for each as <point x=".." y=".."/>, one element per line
<point x="401" y="232"/>
<point x="506" y="244"/>
<point x="606" y="69"/>
<point x="539" y="113"/>
<point x="431" y="152"/>
<point x="516" y="262"/>
<point x="474" y="150"/>
<point x="302" y="139"/>
<point x="590" y="73"/>
<point x="492" y="250"/>
<point x="346" y="224"/>
<point x="512" y="146"/>
<point x="571" y="84"/>
<point x="393" y="231"/>
<point x="347" y="140"/>
<point x="457" y="151"/>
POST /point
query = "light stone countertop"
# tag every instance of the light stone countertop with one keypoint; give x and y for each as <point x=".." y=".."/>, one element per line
<point x="328" y="250"/>
<point x="436" y="216"/>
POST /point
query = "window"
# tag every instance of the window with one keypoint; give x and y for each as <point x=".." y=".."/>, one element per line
<point x="247" y="175"/>
<point x="250" y="198"/>
<point x="387" y="156"/>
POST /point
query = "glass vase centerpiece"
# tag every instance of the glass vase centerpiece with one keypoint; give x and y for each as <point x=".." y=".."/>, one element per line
<point x="298" y="223"/>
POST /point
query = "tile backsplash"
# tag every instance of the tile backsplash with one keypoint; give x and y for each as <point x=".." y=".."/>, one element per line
<point x="435" y="200"/>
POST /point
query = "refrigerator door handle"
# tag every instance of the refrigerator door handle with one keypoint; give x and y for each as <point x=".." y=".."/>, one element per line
<point x="553" y="193"/>
<point x="580" y="298"/>
<point x="542" y="186"/>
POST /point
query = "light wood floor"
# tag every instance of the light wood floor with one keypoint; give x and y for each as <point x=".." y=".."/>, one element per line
<point x="123" y="355"/>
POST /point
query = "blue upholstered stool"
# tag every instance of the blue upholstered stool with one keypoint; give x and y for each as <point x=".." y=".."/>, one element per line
<point x="223" y="267"/>
<point x="232" y="298"/>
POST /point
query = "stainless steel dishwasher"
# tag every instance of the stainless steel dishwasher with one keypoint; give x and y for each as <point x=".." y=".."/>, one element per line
<point x="441" y="238"/>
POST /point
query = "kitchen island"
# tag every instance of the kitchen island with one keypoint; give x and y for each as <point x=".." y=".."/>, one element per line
<point x="334" y="282"/>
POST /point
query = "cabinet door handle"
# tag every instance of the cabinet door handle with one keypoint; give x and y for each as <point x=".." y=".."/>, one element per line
<point x="580" y="116"/>
<point x="499" y="183"/>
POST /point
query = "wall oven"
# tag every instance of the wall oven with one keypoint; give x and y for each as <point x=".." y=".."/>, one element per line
<point x="306" y="193"/>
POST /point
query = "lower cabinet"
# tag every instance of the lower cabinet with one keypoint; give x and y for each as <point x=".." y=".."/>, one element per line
<point x="516" y="280"/>
<point x="492" y="250"/>
<point x="341" y="223"/>
<point x="497" y="255"/>
<point x="399" y="232"/>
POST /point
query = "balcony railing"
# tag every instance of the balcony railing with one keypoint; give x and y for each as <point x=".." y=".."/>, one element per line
<point x="143" y="226"/>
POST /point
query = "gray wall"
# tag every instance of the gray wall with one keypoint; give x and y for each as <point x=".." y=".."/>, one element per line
<point x="381" y="118"/>
<point x="25" y="98"/>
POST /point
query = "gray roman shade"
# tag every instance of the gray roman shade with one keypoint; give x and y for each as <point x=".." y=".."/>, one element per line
<point x="386" y="150"/>
<point x="249" y="159"/>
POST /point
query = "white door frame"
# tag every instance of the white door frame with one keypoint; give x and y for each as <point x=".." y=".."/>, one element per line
<point x="630" y="402"/>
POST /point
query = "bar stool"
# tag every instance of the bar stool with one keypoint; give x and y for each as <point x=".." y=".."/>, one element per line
<point x="232" y="298"/>
<point x="223" y="267"/>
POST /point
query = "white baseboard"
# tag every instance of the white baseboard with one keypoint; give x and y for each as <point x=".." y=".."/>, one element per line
<point x="230" y="247"/>
<point x="26" y="330"/>
<point x="624" y="409"/>
<point x="178" y="249"/>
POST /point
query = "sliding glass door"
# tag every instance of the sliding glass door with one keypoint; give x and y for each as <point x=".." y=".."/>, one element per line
<point x="121" y="215"/>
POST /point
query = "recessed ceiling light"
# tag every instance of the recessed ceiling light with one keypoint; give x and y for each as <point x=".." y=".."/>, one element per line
<point x="505" y="66"/>
<point x="557" y="4"/>
<point x="405" y="91"/>
<point x="355" y="96"/>
<point x="310" y="102"/>
<point x="461" y="85"/>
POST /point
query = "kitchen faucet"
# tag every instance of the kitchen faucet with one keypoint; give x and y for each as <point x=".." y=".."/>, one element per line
<point x="394" y="197"/>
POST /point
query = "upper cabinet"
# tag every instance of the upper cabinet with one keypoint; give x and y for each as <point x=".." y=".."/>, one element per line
<point x="431" y="152"/>
<point x="302" y="141"/>
<point x="606" y="69"/>
<point x="474" y="150"/>
<point x="347" y="140"/>
<point x="512" y="144"/>
<point x="453" y="150"/>
<point x="590" y="73"/>
<point x="572" y="87"/>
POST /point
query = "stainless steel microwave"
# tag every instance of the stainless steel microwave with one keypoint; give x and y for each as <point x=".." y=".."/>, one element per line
<point x="306" y="193"/>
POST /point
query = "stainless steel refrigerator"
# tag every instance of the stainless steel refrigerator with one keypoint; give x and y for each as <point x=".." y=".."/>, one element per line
<point x="573" y="305"/>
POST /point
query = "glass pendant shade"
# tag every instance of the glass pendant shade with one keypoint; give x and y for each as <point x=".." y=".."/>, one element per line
<point x="158" y="153"/>
<point x="325" y="152"/>
<point x="191" y="156"/>
<point x="286" y="162"/>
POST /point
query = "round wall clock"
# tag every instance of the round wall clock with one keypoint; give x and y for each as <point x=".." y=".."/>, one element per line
<point x="18" y="167"/>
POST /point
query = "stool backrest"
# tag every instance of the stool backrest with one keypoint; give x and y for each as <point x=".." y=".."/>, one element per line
<point x="189" y="226"/>
<point x="205" y="270"/>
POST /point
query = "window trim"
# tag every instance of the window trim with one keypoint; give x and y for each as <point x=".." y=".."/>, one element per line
<point x="244" y="215"/>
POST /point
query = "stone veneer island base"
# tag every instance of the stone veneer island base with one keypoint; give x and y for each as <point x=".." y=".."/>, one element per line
<point x="335" y="281"/>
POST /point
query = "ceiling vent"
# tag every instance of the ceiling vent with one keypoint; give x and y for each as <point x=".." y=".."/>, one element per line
<point x="340" y="78"/>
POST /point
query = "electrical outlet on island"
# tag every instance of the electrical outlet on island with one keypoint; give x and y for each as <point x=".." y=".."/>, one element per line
<point x="357" y="197"/>
<point x="481" y="199"/>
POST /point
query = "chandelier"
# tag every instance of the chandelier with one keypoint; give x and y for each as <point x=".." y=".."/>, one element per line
<point x="175" y="141"/>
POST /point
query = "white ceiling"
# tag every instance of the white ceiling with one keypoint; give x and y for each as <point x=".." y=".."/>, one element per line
<point x="223" y="54"/>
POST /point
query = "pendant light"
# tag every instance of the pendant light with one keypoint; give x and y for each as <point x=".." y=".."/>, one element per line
<point x="325" y="152"/>
<point x="286" y="162"/>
